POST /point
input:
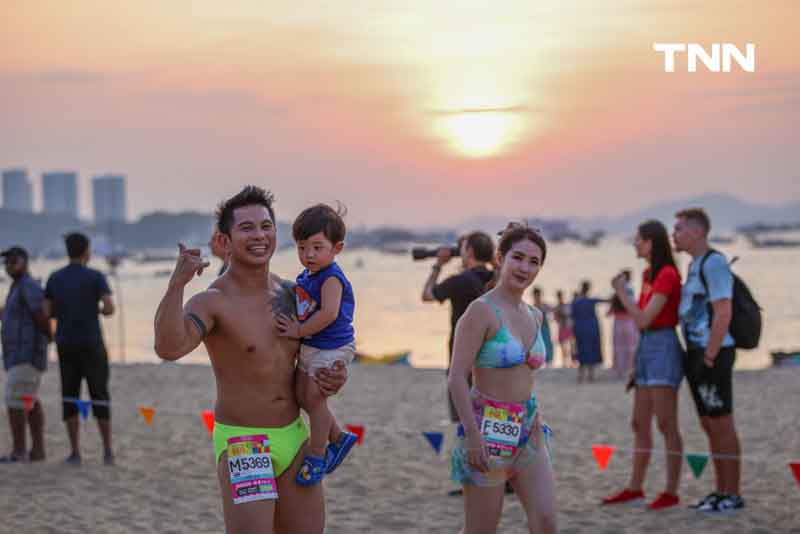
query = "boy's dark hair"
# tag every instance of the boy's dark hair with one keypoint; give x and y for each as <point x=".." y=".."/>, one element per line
<point x="320" y="218"/>
<point x="481" y="244"/>
<point x="697" y="216"/>
<point x="251" y="195"/>
<point x="77" y="245"/>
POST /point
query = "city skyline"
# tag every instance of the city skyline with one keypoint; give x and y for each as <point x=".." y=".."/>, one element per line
<point x="551" y="109"/>
<point x="59" y="193"/>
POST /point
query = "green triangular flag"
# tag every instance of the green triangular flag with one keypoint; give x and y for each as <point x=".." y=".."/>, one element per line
<point x="697" y="462"/>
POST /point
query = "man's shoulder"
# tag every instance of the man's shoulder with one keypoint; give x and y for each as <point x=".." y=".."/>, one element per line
<point x="279" y="283"/>
<point x="282" y="293"/>
<point x="465" y="276"/>
<point x="30" y="282"/>
<point x="207" y="300"/>
<point x="715" y="264"/>
<point x="717" y="259"/>
<point x="94" y="272"/>
<point x="56" y="275"/>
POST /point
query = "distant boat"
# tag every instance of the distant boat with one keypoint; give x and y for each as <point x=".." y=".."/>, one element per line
<point x="394" y="358"/>
<point x="785" y="359"/>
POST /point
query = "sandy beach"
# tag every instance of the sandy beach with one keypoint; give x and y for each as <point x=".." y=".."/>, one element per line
<point x="164" y="481"/>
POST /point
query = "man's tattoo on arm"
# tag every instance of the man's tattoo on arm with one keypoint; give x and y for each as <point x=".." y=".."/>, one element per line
<point x="283" y="299"/>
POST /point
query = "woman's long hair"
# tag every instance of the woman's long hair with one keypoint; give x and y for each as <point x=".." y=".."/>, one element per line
<point x="661" y="251"/>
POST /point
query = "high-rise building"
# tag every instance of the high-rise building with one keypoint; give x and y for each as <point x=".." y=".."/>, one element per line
<point x="108" y="193"/>
<point x="17" y="194"/>
<point x="60" y="193"/>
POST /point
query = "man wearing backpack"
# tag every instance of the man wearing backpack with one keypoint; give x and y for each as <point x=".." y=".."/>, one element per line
<point x="705" y="313"/>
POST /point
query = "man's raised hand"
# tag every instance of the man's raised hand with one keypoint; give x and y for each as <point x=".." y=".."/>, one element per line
<point x="189" y="263"/>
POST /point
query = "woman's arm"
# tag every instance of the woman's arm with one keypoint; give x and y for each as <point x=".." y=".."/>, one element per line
<point x="469" y="336"/>
<point x="642" y="318"/>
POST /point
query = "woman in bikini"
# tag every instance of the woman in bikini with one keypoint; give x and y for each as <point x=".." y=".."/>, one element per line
<point x="501" y="437"/>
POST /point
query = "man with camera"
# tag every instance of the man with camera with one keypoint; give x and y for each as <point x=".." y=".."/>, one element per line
<point x="476" y="251"/>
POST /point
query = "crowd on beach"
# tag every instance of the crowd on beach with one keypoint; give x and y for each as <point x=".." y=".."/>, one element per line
<point x="280" y="347"/>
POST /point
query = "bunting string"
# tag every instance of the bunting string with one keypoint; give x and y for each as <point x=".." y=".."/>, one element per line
<point x="602" y="453"/>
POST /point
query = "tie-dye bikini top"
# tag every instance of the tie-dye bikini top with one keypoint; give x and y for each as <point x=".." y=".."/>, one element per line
<point x="503" y="350"/>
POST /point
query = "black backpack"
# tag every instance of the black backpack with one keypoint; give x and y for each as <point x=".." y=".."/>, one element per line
<point x="745" y="327"/>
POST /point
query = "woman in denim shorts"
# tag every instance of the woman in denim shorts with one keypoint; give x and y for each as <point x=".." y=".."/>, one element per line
<point x="658" y="368"/>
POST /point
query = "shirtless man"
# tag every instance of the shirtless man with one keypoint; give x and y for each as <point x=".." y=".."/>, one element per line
<point x="254" y="369"/>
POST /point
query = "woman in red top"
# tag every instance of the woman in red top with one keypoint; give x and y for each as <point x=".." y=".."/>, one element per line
<point x="658" y="369"/>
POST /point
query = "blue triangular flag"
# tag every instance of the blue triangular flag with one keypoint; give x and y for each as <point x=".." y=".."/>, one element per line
<point x="435" y="439"/>
<point x="83" y="407"/>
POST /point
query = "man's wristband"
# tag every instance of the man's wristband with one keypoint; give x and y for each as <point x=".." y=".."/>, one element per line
<point x="437" y="268"/>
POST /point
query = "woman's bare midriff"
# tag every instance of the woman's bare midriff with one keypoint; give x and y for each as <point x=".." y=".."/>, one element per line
<point x="514" y="384"/>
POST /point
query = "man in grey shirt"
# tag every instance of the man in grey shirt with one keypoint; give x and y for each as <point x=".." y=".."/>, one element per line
<point x="25" y="333"/>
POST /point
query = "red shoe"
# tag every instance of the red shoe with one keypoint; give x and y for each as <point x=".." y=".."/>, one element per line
<point x="625" y="495"/>
<point x="665" y="500"/>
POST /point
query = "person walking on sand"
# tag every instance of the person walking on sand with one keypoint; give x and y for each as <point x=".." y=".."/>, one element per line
<point x="501" y="435"/>
<point x="76" y="295"/>
<point x="659" y="363"/>
<point x="259" y="437"/>
<point x="25" y="333"/>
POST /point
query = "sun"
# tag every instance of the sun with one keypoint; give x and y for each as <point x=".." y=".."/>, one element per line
<point x="479" y="133"/>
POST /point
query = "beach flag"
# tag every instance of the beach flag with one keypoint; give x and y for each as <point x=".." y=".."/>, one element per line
<point x="697" y="462"/>
<point x="208" y="419"/>
<point x="147" y="412"/>
<point x="435" y="439"/>
<point x="27" y="400"/>
<point x="83" y="407"/>
<point x="358" y="430"/>
<point x="602" y="454"/>
<point x="796" y="470"/>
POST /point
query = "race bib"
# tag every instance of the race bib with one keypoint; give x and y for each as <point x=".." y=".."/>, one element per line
<point x="502" y="429"/>
<point x="250" y="466"/>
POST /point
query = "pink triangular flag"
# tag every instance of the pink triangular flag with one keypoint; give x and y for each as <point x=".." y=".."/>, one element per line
<point x="208" y="419"/>
<point x="602" y="454"/>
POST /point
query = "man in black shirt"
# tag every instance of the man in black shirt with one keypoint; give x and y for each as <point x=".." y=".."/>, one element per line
<point x="476" y="251"/>
<point x="76" y="295"/>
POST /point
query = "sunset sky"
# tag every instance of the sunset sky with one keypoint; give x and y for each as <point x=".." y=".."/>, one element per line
<point x="409" y="112"/>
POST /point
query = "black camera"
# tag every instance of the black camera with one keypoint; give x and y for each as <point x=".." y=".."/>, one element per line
<point x="422" y="253"/>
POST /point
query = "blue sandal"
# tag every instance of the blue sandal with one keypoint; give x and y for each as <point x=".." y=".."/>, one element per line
<point x="337" y="451"/>
<point x="311" y="472"/>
